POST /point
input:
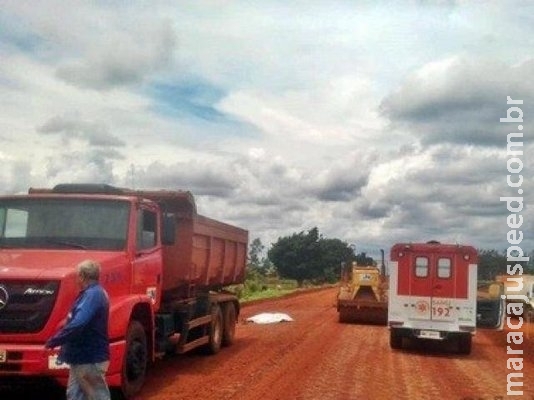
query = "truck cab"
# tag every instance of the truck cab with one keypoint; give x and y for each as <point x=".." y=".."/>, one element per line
<point x="43" y="236"/>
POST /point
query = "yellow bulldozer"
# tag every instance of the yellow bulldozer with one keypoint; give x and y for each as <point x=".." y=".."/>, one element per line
<point x="363" y="294"/>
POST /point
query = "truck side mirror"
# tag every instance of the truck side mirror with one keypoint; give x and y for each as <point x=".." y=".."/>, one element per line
<point x="169" y="230"/>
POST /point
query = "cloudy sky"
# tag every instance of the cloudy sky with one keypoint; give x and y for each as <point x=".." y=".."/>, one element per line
<point x="374" y="121"/>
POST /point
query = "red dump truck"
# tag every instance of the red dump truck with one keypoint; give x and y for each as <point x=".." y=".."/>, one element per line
<point x="164" y="266"/>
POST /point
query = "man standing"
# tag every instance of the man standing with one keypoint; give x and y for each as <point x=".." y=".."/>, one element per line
<point x="84" y="339"/>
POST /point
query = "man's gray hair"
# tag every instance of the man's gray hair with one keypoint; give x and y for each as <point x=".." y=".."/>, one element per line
<point x="89" y="270"/>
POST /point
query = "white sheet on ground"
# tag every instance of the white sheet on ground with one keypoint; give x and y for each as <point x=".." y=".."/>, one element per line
<point x="269" y="318"/>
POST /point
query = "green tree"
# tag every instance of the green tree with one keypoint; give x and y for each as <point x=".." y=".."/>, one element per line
<point x="490" y="264"/>
<point x="255" y="252"/>
<point x="254" y="271"/>
<point x="332" y="253"/>
<point x="308" y="256"/>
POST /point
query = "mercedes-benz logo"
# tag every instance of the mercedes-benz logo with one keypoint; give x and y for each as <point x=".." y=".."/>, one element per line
<point x="4" y="297"/>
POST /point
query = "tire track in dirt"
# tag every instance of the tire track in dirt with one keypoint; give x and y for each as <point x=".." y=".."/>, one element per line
<point x="305" y="346"/>
<point x="343" y="375"/>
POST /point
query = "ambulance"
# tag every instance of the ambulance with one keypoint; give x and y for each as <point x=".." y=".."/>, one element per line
<point x="432" y="293"/>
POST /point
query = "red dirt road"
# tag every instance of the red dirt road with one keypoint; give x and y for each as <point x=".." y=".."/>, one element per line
<point x="315" y="358"/>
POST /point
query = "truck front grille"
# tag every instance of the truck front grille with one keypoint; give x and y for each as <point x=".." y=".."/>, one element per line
<point x="26" y="306"/>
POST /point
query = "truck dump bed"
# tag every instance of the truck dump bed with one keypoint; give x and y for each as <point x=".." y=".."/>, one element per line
<point x="207" y="254"/>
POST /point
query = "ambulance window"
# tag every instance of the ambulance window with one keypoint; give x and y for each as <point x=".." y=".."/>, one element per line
<point x="421" y="267"/>
<point x="444" y="268"/>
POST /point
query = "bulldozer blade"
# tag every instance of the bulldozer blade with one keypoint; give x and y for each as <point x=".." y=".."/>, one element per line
<point x="371" y="315"/>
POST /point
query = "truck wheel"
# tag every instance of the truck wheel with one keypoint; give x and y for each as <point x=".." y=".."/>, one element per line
<point x="215" y="330"/>
<point x="135" y="360"/>
<point x="229" y="324"/>
<point x="464" y="343"/>
<point x="395" y="340"/>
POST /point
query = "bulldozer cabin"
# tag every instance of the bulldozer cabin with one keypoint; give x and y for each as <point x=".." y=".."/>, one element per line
<point x="363" y="294"/>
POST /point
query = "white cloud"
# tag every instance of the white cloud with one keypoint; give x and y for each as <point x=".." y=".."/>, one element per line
<point x="122" y="58"/>
<point x="375" y="122"/>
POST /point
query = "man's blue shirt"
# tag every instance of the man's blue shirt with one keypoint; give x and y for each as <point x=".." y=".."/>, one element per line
<point x="84" y="339"/>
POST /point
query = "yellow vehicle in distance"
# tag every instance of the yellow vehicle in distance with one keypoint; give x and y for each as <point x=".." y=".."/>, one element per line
<point x="363" y="294"/>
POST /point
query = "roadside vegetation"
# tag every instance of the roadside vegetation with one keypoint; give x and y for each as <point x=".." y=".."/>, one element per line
<point x="308" y="260"/>
<point x="301" y="261"/>
<point x="261" y="277"/>
<point x="492" y="263"/>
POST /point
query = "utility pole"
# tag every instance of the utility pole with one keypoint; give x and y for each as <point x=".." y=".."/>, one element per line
<point x="132" y="176"/>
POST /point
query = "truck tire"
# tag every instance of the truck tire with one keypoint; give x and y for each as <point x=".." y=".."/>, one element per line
<point x="135" y="360"/>
<point x="464" y="343"/>
<point x="229" y="315"/>
<point x="216" y="329"/>
<point x="395" y="340"/>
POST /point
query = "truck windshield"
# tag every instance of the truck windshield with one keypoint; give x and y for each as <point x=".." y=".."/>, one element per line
<point x="63" y="224"/>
